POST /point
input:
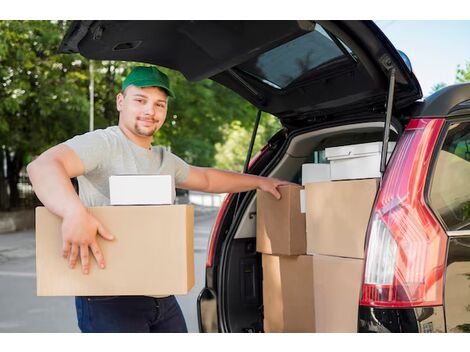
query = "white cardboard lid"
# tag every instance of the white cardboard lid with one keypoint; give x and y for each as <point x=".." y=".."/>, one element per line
<point x="356" y="150"/>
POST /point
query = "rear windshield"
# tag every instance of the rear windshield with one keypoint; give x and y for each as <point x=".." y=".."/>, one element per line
<point x="287" y="63"/>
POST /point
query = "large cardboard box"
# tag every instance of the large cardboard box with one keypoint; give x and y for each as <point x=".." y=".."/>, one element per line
<point x="288" y="293"/>
<point x="337" y="215"/>
<point x="280" y="226"/>
<point x="337" y="287"/>
<point x="311" y="293"/>
<point x="152" y="253"/>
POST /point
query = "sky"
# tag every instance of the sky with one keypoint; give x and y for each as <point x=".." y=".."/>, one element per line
<point x="435" y="48"/>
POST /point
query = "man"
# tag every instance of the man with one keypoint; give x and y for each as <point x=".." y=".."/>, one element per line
<point x="124" y="149"/>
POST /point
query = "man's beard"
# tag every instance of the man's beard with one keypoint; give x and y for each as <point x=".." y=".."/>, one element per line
<point x="144" y="132"/>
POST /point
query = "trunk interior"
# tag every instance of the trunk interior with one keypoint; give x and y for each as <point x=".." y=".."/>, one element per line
<point x="240" y="278"/>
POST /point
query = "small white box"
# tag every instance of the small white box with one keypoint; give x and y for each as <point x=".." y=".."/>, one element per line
<point x="356" y="161"/>
<point x="141" y="189"/>
<point x="315" y="173"/>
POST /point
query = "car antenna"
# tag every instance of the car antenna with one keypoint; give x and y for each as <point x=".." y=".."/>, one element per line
<point x="388" y="119"/>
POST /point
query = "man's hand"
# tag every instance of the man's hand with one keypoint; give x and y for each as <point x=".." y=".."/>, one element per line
<point x="79" y="229"/>
<point x="270" y="185"/>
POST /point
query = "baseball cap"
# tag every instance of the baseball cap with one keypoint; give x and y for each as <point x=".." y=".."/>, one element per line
<point x="147" y="76"/>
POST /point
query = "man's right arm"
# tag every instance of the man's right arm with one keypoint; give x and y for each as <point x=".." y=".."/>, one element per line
<point x="50" y="176"/>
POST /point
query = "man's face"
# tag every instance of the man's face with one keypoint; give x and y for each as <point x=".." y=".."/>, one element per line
<point x="142" y="111"/>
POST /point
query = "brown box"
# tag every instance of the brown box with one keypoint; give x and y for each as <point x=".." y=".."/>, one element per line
<point x="280" y="226"/>
<point x="311" y="293"/>
<point x="337" y="214"/>
<point x="337" y="287"/>
<point x="152" y="253"/>
<point x="288" y="293"/>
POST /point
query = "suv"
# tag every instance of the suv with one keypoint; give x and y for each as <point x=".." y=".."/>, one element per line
<point x="330" y="83"/>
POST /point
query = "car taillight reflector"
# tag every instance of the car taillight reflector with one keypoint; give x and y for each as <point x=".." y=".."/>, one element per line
<point x="406" y="244"/>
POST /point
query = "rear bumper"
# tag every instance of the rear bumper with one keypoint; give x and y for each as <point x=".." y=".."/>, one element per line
<point x="426" y="319"/>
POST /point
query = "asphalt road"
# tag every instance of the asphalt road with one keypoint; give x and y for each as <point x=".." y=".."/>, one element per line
<point x="22" y="311"/>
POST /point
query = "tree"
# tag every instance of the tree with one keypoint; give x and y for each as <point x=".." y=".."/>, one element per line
<point x="437" y="86"/>
<point x="463" y="73"/>
<point x="231" y="154"/>
<point x="36" y="111"/>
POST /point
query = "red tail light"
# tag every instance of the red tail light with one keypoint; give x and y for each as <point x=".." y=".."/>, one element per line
<point x="223" y="209"/>
<point x="405" y="253"/>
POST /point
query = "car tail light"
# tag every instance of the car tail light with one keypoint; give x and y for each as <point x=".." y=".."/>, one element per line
<point x="223" y="209"/>
<point x="406" y="245"/>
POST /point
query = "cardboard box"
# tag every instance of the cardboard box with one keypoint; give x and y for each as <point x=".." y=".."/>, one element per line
<point x="337" y="287"/>
<point x="141" y="189"/>
<point x="356" y="161"/>
<point x="313" y="173"/>
<point x="311" y="293"/>
<point x="280" y="226"/>
<point x="337" y="216"/>
<point x="288" y="293"/>
<point x="152" y="253"/>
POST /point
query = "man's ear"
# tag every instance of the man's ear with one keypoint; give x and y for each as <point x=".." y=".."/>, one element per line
<point x="119" y="101"/>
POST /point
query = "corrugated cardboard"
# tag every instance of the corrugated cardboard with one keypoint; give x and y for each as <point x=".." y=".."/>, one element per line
<point x="280" y="226"/>
<point x="337" y="216"/>
<point x="288" y="293"/>
<point x="311" y="293"/>
<point x="141" y="189"/>
<point x="337" y="286"/>
<point x="151" y="255"/>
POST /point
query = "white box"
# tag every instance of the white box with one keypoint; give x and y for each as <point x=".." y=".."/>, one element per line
<point x="356" y="161"/>
<point x="141" y="189"/>
<point x="315" y="173"/>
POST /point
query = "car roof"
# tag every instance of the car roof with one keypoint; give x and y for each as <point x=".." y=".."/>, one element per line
<point x="291" y="69"/>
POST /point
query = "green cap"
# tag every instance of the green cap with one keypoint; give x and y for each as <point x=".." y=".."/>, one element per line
<point x="146" y="76"/>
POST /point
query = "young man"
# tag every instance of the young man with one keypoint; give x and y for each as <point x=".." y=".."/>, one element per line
<point x="123" y="149"/>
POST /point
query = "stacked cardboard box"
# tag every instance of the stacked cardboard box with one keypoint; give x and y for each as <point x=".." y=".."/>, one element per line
<point x="152" y="253"/>
<point x="316" y="290"/>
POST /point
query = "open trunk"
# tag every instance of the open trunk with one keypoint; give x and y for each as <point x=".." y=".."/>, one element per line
<point x="240" y="275"/>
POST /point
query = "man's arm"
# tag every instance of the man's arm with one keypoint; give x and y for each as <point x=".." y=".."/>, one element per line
<point x="50" y="176"/>
<point x="220" y="181"/>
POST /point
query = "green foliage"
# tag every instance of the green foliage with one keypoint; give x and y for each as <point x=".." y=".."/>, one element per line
<point x="463" y="73"/>
<point x="231" y="154"/>
<point x="42" y="94"/>
<point x="437" y="86"/>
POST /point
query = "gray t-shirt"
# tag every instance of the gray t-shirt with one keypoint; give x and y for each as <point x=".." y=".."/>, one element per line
<point x="109" y="152"/>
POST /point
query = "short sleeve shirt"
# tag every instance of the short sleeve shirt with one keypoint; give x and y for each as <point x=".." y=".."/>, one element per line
<point x="108" y="152"/>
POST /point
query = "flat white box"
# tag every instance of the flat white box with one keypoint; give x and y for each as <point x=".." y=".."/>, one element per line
<point x="356" y="161"/>
<point x="141" y="189"/>
<point x="315" y="173"/>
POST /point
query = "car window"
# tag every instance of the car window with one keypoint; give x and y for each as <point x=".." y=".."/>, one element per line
<point x="286" y="63"/>
<point x="450" y="189"/>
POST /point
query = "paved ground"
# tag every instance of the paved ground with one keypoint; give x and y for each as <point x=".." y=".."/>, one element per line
<point x="22" y="311"/>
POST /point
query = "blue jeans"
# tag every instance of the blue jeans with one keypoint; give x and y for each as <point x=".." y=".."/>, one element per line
<point x="129" y="314"/>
